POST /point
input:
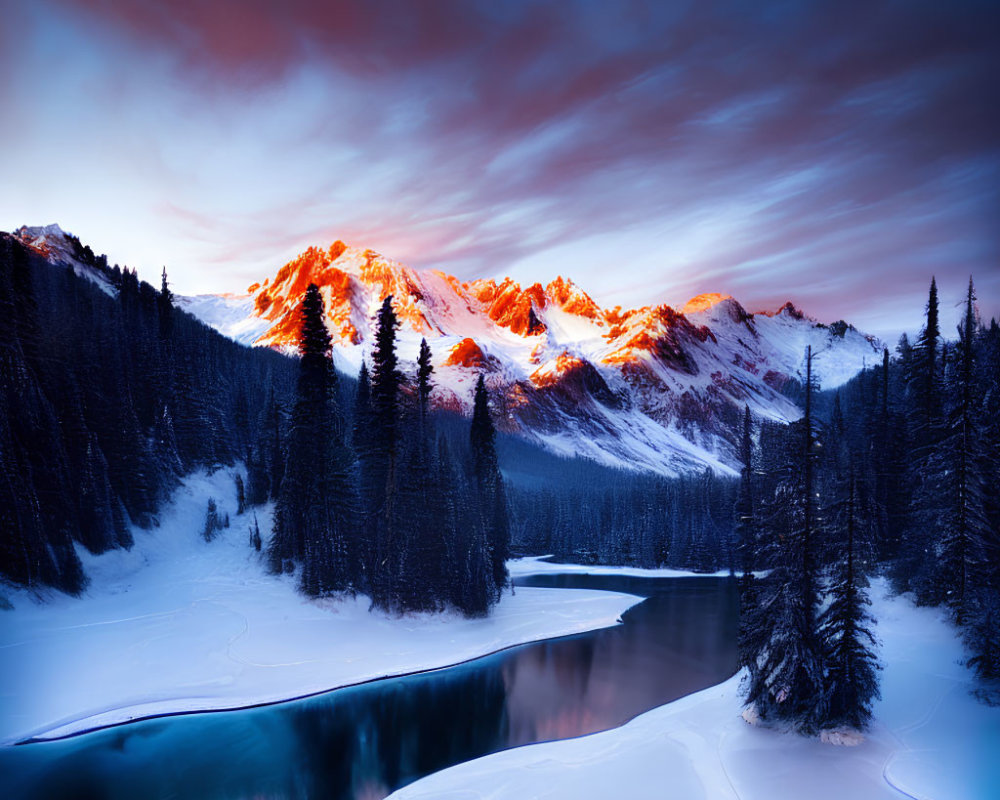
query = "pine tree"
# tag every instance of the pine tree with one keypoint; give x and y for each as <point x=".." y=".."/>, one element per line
<point x="781" y="646"/>
<point x="746" y="543"/>
<point x="363" y="559"/>
<point x="491" y="496"/>
<point x="424" y="370"/>
<point x="851" y="683"/>
<point x="165" y="306"/>
<point x="925" y="428"/>
<point x="89" y="378"/>
<point x="241" y="500"/>
<point x="744" y="523"/>
<point x="382" y="479"/>
<point x="212" y="522"/>
<point x="982" y="634"/>
<point x="958" y="480"/>
<point x="385" y="381"/>
<point x="255" y="538"/>
<point x="925" y="378"/>
<point x="314" y="511"/>
<point x="268" y="454"/>
<point x="422" y="579"/>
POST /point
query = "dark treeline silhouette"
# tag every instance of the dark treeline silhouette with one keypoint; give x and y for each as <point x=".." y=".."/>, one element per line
<point x="898" y="476"/>
<point x="105" y="401"/>
<point x="618" y="517"/>
<point x="386" y="503"/>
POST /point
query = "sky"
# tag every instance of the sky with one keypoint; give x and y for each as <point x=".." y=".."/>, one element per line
<point x="836" y="154"/>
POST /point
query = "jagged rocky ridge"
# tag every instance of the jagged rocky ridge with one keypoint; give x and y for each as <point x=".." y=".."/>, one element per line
<point x="650" y="388"/>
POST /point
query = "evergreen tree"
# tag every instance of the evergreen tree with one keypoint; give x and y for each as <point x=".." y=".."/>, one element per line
<point x="241" y="500"/>
<point x="925" y="427"/>
<point x="212" y="522"/>
<point x="364" y="561"/>
<point x="744" y="524"/>
<point x="255" y="539"/>
<point x="983" y="606"/>
<point x="959" y="481"/>
<point x="491" y="497"/>
<point x="266" y="455"/>
<point x="165" y="306"/>
<point x="381" y="477"/>
<point x="314" y="511"/>
<point x="782" y="646"/>
<point x="925" y="378"/>
<point x="851" y="683"/>
<point x="746" y="543"/>
<point x="424" y="370"/>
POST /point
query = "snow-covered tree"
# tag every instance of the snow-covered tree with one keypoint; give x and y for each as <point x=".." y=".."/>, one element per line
<point x="781" y="646"/>
<point x="851" y="680"/>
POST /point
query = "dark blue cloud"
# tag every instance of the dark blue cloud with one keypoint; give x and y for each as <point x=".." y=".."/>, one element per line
<point x="835" y="152"/>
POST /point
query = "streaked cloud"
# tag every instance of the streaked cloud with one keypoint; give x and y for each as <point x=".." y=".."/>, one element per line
<point x="837" y="154"/>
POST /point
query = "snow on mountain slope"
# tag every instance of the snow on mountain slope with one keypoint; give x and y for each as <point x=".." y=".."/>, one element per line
<point x="228" y="313"/>
<point x="650" y="388"/>
<point x="59" y="247"/>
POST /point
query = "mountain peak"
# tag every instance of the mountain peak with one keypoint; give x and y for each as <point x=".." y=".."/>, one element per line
<point x="43" y="231"/>
<point x="789" y="309"/>
<point x="60" y="247"/>
<point x="703" y="302"/>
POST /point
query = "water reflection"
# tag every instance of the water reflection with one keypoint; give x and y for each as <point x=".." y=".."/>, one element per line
<point x="365" y="741"/>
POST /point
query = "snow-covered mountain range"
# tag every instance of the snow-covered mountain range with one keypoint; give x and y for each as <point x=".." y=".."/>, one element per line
<point x="651" y="388"/>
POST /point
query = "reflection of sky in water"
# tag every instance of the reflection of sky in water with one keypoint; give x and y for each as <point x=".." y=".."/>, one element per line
<point x="364" y="741"/>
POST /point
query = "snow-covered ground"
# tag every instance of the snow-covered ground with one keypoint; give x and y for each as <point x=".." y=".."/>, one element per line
<point x="535" y="565"/>
<point x="179" y="624"/>
<point x="932" y="740"/>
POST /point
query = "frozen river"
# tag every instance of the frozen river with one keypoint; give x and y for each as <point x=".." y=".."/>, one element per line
<point x="367" y="740"/>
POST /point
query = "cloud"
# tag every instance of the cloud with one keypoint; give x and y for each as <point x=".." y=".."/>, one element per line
<point x="763" y="148"/>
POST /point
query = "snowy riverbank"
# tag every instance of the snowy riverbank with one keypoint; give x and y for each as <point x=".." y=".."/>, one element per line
<point x="178" y="624"/>
<point x="932" y="740"/>
<point x="535" y="565"/>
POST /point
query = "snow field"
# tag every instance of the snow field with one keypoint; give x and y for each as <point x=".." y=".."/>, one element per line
<point x="179" y="624"/>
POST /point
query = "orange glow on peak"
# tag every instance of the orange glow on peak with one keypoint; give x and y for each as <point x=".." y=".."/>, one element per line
<point x="466" y="354"/>
<point x="703" y="302"/>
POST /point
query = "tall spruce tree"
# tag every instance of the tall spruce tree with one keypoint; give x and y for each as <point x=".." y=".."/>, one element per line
<point x="782" y="648"/>
<point x="489" y="482"/>
<point x="425" y="368"/>
<point x="744" y="523"/>
<point x="315" y="507"/>
<point x="851" y="682"/>
<point x="361" y="439"/>
<point x="745" y="533"/>
<point x="925" y="427"/>
<point x="958" y="478"/>
<point x="983" y="609"/>
<point x="381" y="473"/>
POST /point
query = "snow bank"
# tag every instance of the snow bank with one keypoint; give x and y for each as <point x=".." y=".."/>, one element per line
<point x="932" y="740"/>
<point x="178" y="624"/>
<point x="533" y="565"/>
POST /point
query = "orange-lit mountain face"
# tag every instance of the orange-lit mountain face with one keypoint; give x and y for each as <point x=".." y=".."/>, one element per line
<point x="652" y="387"/>
<point x="648" y="388"/>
